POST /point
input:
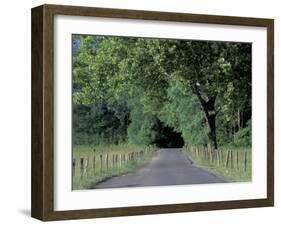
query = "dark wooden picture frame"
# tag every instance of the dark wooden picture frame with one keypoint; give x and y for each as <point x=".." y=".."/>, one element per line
<point x="42" y="203"/>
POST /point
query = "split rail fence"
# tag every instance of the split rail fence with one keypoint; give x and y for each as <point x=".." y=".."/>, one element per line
<point x="90" y="165"/>
<point x="228" y="158"/>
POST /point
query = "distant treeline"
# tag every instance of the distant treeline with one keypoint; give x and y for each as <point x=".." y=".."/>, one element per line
<point x="125" y="89"/>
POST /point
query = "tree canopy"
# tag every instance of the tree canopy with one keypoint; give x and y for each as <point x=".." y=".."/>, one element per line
<point x="123" y="87"/>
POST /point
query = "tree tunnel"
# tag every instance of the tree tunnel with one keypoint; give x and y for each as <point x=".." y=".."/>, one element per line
<point x="167" y="137"/>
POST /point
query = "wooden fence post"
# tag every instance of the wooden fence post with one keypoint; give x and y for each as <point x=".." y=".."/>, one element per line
<point x="87" y="166"/>
<point x="101" y="162"/>
<point x="116" y="160"/>
<point x="120" y="160"/>
<point x="218" y="157"/>
<point x="227" y="159"/>
<point x="215" y="155"/>
<point x="73" y="167"/>
<point x="237" y="159"/>
<point x="245" y="161"/>
<point x="106" y="161"/>
<point x="90" y="165"/>
<point x="113" y="159"/>
<point x="231" y="159"/>
<point x="209" y="147"/>
<point x="81" y="167"/>
<point x="94" y="164"/>
<point x="205" y="154"/>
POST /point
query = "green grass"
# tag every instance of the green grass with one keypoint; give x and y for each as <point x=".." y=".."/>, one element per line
<point x="234" y="172"/>
<point x="104" y="170"/>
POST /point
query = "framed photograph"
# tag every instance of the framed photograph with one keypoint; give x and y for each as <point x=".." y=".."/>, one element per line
<point x="141" y="112"/>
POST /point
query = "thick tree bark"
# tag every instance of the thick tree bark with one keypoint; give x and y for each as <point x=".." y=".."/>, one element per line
<point x="210" y="115"/>
<point x="212" y="133"/>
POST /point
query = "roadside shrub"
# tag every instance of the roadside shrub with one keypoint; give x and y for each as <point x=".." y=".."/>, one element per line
<point x="244" y="136"/>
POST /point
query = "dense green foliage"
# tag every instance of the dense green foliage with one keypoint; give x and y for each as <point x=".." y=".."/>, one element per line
<point x="124" y="88"/>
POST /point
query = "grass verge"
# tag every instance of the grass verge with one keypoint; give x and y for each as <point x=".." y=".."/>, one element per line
<point x="116" y="160"/>
<point x="234" y="164"/>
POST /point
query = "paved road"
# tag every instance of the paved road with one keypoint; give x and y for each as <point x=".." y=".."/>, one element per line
<point x="168" y="167"/>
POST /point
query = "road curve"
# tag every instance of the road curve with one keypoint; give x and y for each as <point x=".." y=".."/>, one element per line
<point x="167" y="167"/>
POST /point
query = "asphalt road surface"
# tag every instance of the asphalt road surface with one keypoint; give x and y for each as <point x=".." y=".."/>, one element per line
<point x="167" y="167"/>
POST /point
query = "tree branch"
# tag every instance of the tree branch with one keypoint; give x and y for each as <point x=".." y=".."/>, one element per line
<point x="198" y="94"/>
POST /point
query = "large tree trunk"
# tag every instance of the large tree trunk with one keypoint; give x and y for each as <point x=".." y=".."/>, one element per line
<point x="210" y="115"/>
<point x="212" y="127"/>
